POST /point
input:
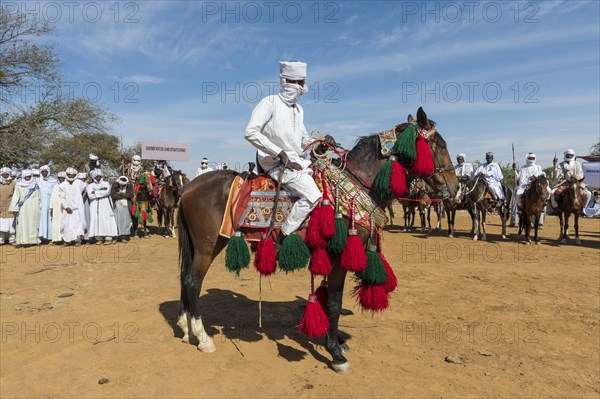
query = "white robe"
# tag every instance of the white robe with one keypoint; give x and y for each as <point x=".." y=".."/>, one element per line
<point x="72" y="225"/>
<point x="56" y="208"/>
<point x="203" y="171"/>
<point x="464" y="169"/>
<point x="275" y="127"/>
<point x="102" y="217"/>
<point x="46" y="186"/>
<point x="493" y="177"/>
<point x="28" y="220"/>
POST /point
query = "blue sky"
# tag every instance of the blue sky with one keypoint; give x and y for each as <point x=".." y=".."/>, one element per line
<point x="489" y="73"/>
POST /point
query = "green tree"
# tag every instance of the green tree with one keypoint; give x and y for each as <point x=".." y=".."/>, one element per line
<point x="595" y="149"/>
<point x="29" y="129"/>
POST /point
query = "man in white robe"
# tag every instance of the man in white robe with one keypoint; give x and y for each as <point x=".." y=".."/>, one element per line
<point x="83" y="176"/>
<point x="277" y="130"/>
<point x="122" y="194"/>
<point x="73" y="224"/>
<point x="102" y="218"/>
<point x="529" y="170"/>
<point x="7" y="219"/>
<point x="463" y="170"/>
<point x="56" y="208"/>
<point x="565" y="170"/>
<point x="204" y="168"/>
<point x="46" y="183"/>
<point x="493" y="176"/>
<point x="25" y="205"/>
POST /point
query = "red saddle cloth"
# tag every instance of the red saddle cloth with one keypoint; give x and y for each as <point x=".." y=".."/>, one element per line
<point x="250" y="205"/>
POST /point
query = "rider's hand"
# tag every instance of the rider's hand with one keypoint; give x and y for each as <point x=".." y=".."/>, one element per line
<point x="285" y="160"/>
<point x="514" y="165"/>
<point x="329" y="140"/>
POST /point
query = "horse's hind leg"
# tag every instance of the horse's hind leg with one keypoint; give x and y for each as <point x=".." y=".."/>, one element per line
<point x="577" y="240"/>
<point x="172" y="222"/>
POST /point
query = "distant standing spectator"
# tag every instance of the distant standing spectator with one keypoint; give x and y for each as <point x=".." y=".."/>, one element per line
<point x="25" y="204"/>
<point x="122" y="193"/>
<point x="7" y="219"/>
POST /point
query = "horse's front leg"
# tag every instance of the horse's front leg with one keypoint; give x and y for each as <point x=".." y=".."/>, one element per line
<point x="482" y="222"/>
<point x="503" y="218"/>
<point x="536" y="226"/>
<point x="566" y="230"/>
<point x="527" y="223"/>
<point x="560" y="222"/>
<point x="577" y="240"/>
<point x="335" y="290"/>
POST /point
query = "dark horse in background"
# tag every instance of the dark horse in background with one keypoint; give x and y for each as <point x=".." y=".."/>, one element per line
<point x="201" y="212"/>
<point x="167" y="201"/>
<point x="570" y="202"/>
<point x="534" y="199"/>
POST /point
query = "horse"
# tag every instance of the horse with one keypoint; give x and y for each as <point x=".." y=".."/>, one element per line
<point x="570" y="203"/>
<point x="167" y="201"/>
<point x="534" y="199"/>
<point x="409" y="207"/>
<point x="201" y="211"/>
<point x="478" y="204"/>
<point x="141" y="201"/>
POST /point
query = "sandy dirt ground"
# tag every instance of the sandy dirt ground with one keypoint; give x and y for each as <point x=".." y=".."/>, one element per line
<point x="100" y="321"/>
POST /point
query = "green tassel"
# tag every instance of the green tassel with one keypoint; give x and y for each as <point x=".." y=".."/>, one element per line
<point x="405" y="147"/>
<point x="237" y="256"/>
<point x="293" y="254"/>
<point x="150" y="216"/>
<point x="337" y="243"/>
<point x="375" y="272"/>
<point x="382" y="180"/>
<point x="138" y="214"/>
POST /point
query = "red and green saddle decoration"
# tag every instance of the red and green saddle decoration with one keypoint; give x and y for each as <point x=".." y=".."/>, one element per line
<point x="142" y="210"/>
<point x="410" y="154"/>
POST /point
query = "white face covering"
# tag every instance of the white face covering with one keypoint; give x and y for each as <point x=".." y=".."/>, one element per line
<point x="291" y="92"/>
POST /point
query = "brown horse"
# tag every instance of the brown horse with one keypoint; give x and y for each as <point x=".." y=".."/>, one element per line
<point x="167" y="201"/>
<point x="570" y="203"/>
<point x="201" y="212"/>
<point x="534" y="200"/>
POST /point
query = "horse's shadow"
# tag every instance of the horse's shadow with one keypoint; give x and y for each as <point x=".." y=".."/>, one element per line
<point x="227" y="315"/>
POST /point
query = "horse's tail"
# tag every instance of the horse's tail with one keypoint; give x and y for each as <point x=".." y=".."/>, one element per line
<point x="186" y="258"/>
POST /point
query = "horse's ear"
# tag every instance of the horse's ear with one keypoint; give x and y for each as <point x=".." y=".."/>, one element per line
<point x="410" y="119"/>
<point x="422" y="119"/>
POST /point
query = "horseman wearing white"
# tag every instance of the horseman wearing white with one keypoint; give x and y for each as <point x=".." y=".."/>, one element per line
<point x="46" y="184"/>
<point x="493" y="176"/>
<point x="463" y="170"/>
<point x="7" y="219"/>
<point x="524" y="175"/>
<point x="277" y="130"/>
<point x="25" y="204"/>
<point x="73" y="222"/>
<point x="567" y="169"/>
<point x="102" y="217"/>
<point x="204" y="168"/>
<point x="56" y="208"/>
<point x="134" y="170"/>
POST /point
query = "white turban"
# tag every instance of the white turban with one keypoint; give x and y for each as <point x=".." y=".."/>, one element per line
<point x="61" y="174"/>
<point x="45" y="167"/>
<point x="462" y="155"/>
<point x="93" y="157"/>
<point x="5" y="180"/>
<point x="81" y="175"/>
<point x="294" y="70"/>
<point x="5" y="170"/>
<point x="569" y="151"/>
<point x="123" y="180"/>
<point x="71" y="171"/>
<point x="95" y="173"/>
<point x="24" y="183"/>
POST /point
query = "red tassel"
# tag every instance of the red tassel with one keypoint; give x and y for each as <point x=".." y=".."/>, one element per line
<point x="313" y="232"/>
<point x="319" y="262"/>
<point x="265" y="259"/>
<point x="398" y="187"/>
<point x="353" y="257"/>
<point x="372" y="297"/>
<point x="423" y="165"/>
<point x="321" y="294"/>
<point x="392" y="282"/>
<point x="133" y="209"/>
<point x="315" y="322"/>
<point x="327" y="220"/>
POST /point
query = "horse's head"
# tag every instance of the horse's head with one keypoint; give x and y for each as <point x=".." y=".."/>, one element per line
<point x="541" y="186"/>
<point x="443" y="180"/>
<point x="146" y="180"/>
<point x="177" y="180"/>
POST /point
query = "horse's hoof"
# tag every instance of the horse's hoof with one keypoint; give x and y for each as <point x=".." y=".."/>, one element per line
<point x="185" y="339"/>
<point x="563" y="241"/>
<point x="484" y="237"/>
<point x="577" y="241"/>
<point x="343" y="368"/>
<point x="344" y="347"/>
<point x="538" y="243"/>
<point x="451" y="235"/>
<point x="207" y="347"/>
<point x="504" y="236"/>
<point x="475" y="238"/>
<point x="527" y="242"/>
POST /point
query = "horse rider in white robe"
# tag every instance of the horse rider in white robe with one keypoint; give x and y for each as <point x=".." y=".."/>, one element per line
<point x="276" y="129"/>
<point x="493" y="176"/>
<point x="524" y="175"/>
<point x="463" y="169"/>
<point x="73" y="224"/>
<point x="56" y="208"/>
<point x="565" y="170"/>
<point x="102" y="217"/>
<point x="25" y="204"/>
<point x="204" y="168"/>
<point x="46" y="183"/>
<point x="7" y="219"/>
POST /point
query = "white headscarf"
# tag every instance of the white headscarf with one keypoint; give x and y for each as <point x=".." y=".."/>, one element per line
<point x="93" y="157"/>
<point x="569" y="151"/>
<point x="123" y="180"/>
<point x="71" y="171"/>
<point x="294" y="70"/>
<point x="136" y="163"/>
<point x="62" y="174"/>
<point x="45" y="167"/>
<point x="24" y="183"/>
<point x="464" y="157"/>
<point x="95" y="172"/>
<point x="530" y="161"/>
<point x="81" y="176"/>
<point x="5" y="180"/>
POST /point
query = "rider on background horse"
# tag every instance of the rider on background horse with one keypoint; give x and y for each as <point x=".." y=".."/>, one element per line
<point x="133" y="170"/>
<point x="493" y="176"/>
<point x="527" y="171"/>
<point x="277" y="130"/>
<point x="564" y="171"/>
